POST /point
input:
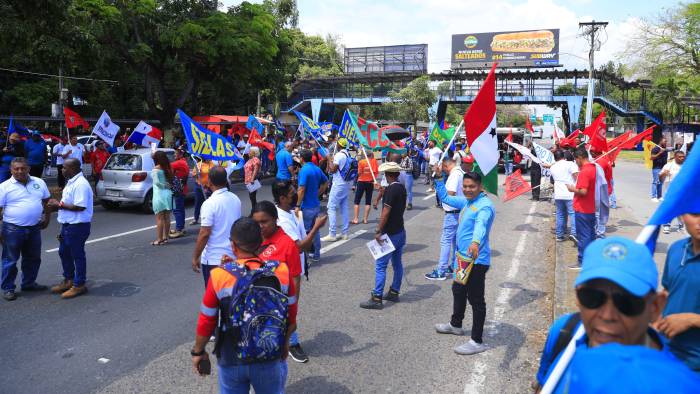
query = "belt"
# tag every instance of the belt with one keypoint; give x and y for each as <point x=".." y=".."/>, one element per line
<point x="17" y="225"/>
<point x="455" y="211"/>
<point x="74" y="224"/>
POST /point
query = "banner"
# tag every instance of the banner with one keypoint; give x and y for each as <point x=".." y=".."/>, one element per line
<point x="543" y="154"/>
<point x="515" y="186"/>
<point x="206" y="144"/>
<point x="106" y="129"/>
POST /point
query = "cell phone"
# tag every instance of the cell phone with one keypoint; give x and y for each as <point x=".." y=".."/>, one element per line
<point x="204" y="367"/>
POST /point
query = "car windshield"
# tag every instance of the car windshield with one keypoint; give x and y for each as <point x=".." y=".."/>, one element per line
<point x="123" y="162"/>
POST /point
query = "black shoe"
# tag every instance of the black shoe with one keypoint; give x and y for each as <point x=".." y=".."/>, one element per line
<point x="297" y="354"/>
<point x="35" y="287"/>
<point x="9" y="295"/>
<point x="374" y="302"/>
<point x="391" y="295"/>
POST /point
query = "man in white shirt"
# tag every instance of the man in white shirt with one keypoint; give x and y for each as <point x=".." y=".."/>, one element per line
<point x="669" y="171"/>
<point x="23" y="200"/>
<point x="564" y="173"/>
<point x="217" y="216"/>
<point x="74" y="150"/>
<point x="448" y="241"/>
<point x="75" y="215"/>
<point x="57" y="152"/>
<point x="285" y="195"/>
<point x="243" y="145"/>
<point x="434" y="154"/>
<point x="338" y="195"/>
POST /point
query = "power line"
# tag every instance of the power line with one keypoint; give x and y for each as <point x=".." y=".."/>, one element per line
<point x="58" y="76"/>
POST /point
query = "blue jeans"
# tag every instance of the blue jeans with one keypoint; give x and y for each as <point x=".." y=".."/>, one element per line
<point x="20" y="241"/>
<point x="309" y="215"/>
<point x="179" y="212"/>
<point x="613" y="198"/>
<point x="71" y="249"/>
<point x="409" y="188"/>
<point x="509" y="167"/>
<point x="266" y="378"/>
<point x="565" y="212"/>
<point x="585" y="232"/>
<point x="338" y="198"/>
<point x="399" y="241"/>
<point x="4" y="173"/>
<point x="448" y="241"/>
<point x="656" y="185"/>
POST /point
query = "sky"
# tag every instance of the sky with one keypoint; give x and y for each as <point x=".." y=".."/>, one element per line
<point x="361" y="23"/>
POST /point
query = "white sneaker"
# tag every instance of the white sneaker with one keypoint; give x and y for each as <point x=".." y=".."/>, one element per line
<point x="447" y="328"/>
<point x="329" y="238"/>
<point x="661" y="198"/>
<point x="470" y="348"/>
<point x="654" y="199"/>
<point x="344" y="237"/>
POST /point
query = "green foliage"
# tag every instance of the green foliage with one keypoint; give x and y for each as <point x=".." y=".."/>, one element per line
<point x="414" y="102"/>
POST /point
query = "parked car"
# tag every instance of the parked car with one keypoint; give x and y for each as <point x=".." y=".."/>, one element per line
<point x="126" y="179"/>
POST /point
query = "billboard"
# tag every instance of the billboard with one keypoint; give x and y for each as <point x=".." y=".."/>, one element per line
<point x="387" y="59"/>
<point x="516" y="49"/>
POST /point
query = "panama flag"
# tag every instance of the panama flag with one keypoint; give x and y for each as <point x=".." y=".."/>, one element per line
<point x="144" y="134"/>
<point x="480" y="124"/>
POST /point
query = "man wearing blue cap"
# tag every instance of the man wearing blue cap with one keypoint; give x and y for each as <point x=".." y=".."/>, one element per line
<point x="35" y="151"/>
<point x="617" y="300"/>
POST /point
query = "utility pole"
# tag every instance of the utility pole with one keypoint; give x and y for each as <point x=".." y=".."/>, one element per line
<point x="60" y="99"/>
<point x="591" y="29"/>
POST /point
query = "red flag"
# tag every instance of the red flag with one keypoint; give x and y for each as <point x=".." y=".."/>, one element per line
<point x="596" y="133"/>
<point x="515" y="186"/>
<point x="634" y="141"/>
<point x="510" y="135"/>
<point x="528" y="126"/>
<point x="255" y="139"/>
<point x="619" y="140"/>
<point x="73" y="119"/>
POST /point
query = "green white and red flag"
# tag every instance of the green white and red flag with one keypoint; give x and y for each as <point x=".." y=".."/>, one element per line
<point x="480" y="124"/>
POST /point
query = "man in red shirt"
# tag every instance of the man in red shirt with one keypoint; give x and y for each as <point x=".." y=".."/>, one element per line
<point x="98" y="158"/>
<point x="584" y="202"/>
<point x="181" y="171"/>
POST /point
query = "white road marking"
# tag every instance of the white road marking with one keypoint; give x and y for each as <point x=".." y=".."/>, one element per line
<point x="138" y="230"/>
<point x="429" y="196"/>
<point x="477" y="377"/>
<point x="338" y="243"/>
<point x="102" y="360"/>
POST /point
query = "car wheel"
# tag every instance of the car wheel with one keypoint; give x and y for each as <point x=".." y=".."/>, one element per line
<point x="147" y="205"/>
<point x="109" y="204"/>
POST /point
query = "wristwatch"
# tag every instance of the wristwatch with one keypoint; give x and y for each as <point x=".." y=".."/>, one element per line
<point x="197" y="354"/>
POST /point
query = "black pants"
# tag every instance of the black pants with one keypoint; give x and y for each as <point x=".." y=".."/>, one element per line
<point x="473" y="291"/>
<point x="535" y="179"/>
<point x="61" y="178"/>
<point x="36" y="171"/>
<point x="253" y="200"/>
<point x="365" y="188"/>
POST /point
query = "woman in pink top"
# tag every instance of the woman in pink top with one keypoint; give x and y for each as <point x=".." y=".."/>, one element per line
<point x="251" y="170"/>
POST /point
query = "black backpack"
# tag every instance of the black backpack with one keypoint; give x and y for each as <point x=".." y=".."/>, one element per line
<point x="565" y="335"/>
<point x="177" y="187"/>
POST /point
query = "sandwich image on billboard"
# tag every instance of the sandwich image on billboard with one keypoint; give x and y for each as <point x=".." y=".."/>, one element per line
<point x="515" y="49"/>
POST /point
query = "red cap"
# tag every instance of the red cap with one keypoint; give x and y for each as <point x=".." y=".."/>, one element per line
<point x="468" y="158"/>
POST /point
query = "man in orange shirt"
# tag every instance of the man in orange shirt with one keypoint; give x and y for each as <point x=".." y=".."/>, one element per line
<point x="584" y="202"/>
<point x="98" y="158"/>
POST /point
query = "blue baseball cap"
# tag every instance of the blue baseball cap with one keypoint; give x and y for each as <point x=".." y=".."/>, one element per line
<point x="622" y="261"/>
<point x="615" y="367"/>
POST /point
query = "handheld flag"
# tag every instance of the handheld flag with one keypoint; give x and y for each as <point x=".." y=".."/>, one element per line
<point x="73" y="119"/>
<point x="509" y="138"/>
<point x="16" y="127"/>
<point x="634" y="141"/>
<point x="480" y="124"/>
<point x="515" y="186"/>
<point x="544" y="154"/>
<point x="280" y="127"/>
<point x="106" y="129"/>
<point x="596" y="133"/>
<point x="254" y="124"/>
<point x="528" y="126"/>
<point x="256" y="140"/>
<point x="524" y="151"/>
<point x="310" y="126"/>
<point x="489" y="181"/>
<point x="440" y="136"/>
<point x="144" y="134"/>
<point x="205" y="144"/>
<point x="349" y="129"/>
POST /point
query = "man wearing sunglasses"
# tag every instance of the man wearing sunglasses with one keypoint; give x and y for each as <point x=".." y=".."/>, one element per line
<point x="617" y="300"/>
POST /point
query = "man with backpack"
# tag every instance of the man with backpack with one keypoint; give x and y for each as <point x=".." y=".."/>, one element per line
<point x="252" y="297"/>
<point x="344" y="170"/>
<point x="617" y="300"/>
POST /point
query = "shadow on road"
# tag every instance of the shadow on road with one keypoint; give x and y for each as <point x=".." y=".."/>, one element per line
<point x="317" y="384"/>
<point x="420" y="265"/>
<point x="413" y="248"/>
<point x="526" y="227"/>
<point x="333" y="344"/>
<point x="334" y="258"/>
<point x="417" y="293"/>
<point x="522" y="297"/>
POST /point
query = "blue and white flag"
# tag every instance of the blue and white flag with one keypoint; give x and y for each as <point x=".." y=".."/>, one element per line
<point x="280" y="127"/>
<point x="205" y="144"/>
<point x="310" y="126"/>
<point x="106" y="129"/>
<point x="545" y="155"/>
<point x="16" y="127"/>
<point x="254" y="124"/>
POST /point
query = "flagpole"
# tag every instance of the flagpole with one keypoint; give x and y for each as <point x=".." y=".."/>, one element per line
<point x="368" y="164"/>
<point x="444" y="153"/>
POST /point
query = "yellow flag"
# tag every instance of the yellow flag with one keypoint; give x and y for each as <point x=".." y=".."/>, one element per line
<point x="648" y="146"/>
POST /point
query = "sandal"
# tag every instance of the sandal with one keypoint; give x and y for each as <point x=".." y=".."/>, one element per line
<point x="355" y="221"/>
<point x="155" y="243"/>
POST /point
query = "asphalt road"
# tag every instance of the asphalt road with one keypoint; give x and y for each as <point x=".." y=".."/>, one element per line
<point x="133" y="330"/>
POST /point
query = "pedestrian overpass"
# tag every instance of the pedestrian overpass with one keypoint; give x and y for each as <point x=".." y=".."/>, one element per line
<point x="559" y="88"/>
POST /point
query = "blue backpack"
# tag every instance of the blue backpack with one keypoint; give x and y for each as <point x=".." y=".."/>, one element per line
<point x="349" y="171"/>
<point x="255" y="316"/>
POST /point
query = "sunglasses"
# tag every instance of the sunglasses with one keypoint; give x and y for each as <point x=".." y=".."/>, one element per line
<point x="627" y="304"/>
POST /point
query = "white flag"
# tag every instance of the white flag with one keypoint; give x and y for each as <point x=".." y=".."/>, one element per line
<point x="106" y="129"/>
<point x="524" y="151"/>
<point x="544" y="154"/>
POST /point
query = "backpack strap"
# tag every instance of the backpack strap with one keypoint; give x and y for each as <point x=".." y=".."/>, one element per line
<point x="565" y="335"/>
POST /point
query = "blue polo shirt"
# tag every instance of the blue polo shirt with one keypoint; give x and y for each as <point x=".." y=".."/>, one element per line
<point x="547" y="364"/>
<point x="311" y="177"/>
<point x="681" y="278"/>
<point x="35" y="151"/>
<point x="284" y="161"/>
<point x="475" y="220"/>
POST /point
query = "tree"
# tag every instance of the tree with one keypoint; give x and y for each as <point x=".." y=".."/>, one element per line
<point x="414" y="102"/>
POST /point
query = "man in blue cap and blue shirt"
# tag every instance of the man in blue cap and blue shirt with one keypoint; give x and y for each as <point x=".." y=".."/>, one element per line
<point x="616" y="293"/>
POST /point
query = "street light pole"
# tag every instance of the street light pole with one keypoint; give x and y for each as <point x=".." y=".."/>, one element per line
<point x="591" y="29"/>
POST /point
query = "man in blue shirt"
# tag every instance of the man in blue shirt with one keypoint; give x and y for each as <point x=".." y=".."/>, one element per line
<point x="474" y="224"/>
<point x="35" y="151"/>
<point x="617" y="300"/>
<point x="681" y="281"/>
<point x="312" y="183"/>
<point x="285" y="165"/>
